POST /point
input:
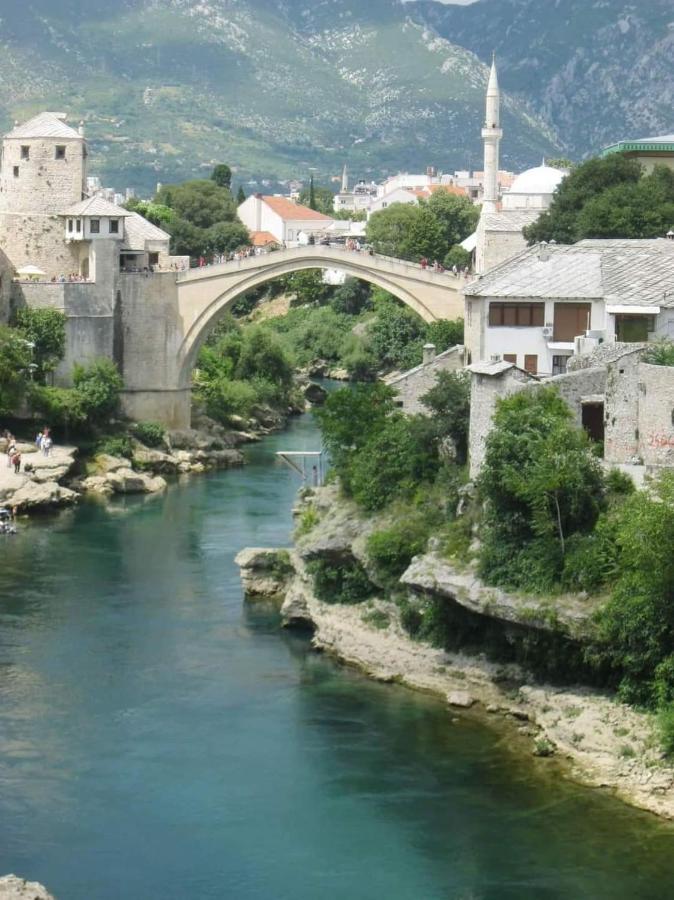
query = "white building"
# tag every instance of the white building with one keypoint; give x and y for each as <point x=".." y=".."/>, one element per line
<point x="282" y="218"/>
<point x="413" y="195"/>
<point x="551" y="301"/>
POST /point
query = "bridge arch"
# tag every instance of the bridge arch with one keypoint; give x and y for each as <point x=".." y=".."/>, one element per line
<point x="205" y="295"/>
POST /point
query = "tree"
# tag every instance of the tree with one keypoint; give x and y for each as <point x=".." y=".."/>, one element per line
<point x="407" y="231"/>
<point x="222" y="175"/>
<point x="444" y="333"/>
<point x="396" y="336"/>
<point x="351" y="297"/>
<point x="349" y="418"/>
<point x="46" y="330"/>
<point x="202" y="203"/>
<point x="323" y="198"/>
<point x="240" y="196"/>
<point x="160" y="214"/>
<point x="224" y="237"/>
<point x="15" y="359"/>
<point x="98" y="386"/>
<point x="457" y="215"/>
<point x="448" y="403"/>
<point x="541" y="484"/>
<point x="187" y="239"/>
<point x="457" y="256"/>
<point x="581" y="186"/>
<point x="307" y="285"/>
<point x="394" y="461"/>
<point x="262" y="356"/>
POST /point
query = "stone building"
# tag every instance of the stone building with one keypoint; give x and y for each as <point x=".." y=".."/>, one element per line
<point x="81" y="244"/>
<point x="551" y="301"/>
<point x="411" y="386"/>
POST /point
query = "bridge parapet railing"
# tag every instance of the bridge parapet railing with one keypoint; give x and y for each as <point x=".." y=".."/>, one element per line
<point x="317" y="252"/>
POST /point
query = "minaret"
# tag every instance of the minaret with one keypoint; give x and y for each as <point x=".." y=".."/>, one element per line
<point x="345" y="180"/>
<point x="491" y="135"/>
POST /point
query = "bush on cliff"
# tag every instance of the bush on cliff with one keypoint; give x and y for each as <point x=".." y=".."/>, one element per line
<point x="89" y="405"/>
<point x="448" y="403"/>
<point x="46" y="330"/>
<point x="15" y="359"/>
<point x="541" y="485"/>
<point x="340" y="581"/>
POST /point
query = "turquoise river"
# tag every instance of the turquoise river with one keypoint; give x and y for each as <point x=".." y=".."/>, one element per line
<point x="158" y="739"/>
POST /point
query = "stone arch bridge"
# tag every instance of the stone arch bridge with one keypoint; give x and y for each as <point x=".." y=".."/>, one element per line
<point x="166" y="318"/>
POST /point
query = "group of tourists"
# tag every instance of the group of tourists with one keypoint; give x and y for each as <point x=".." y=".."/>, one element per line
<point x="73" y="277"/>
<point x="43" y="442"/>
<point x="438" y="267"/>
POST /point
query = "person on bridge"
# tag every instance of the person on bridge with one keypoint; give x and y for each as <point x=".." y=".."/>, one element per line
<point x="423" y="262"/>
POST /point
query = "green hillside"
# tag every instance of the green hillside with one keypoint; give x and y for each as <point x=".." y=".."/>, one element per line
<point x="167" y="88"/>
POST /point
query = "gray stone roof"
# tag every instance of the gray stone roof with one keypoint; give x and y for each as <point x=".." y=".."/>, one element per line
<point x="620" y="272"/>
<point x="137" y="231"/>
<point x="95" y="206"/>
<point x="46" y="124"/>
<point x="400" y="376"/>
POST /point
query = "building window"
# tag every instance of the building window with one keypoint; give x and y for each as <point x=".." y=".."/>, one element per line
<point x="114" y="226"/>
<point x="516" y="315"/>
<point x="510" y="357"/>
<point x="559" y="365"/>
<point x="95" y="226"/>
<point x="531" y="363"/>
<point x="630" y="329"/>
<point x="16" y="171"/>
<point x="60" y="151"/>
<point x="70" y="224"/>
<point x="153" y="259"/>
<point x="78" y="225"/>
<point x="25" y="152"/>
<point x="571" y="320"/>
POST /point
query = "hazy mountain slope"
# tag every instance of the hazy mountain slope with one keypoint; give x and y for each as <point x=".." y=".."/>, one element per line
<point x="597" y="70"/>
<point x="167" y="87"/>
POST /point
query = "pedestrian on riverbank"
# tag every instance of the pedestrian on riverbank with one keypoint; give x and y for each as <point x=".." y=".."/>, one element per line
<point x="46" y="443"/>
<point x="16" y="462"/>
<point x="38" y="440"/>
<point x="11" y="449"/>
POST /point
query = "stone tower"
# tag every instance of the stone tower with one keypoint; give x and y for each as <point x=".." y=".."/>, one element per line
<point x="42" y="172"/>
<point x="491" y="135"/>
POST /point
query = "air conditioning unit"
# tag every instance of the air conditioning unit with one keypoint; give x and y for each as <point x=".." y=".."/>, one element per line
<point x="547" y="331"/>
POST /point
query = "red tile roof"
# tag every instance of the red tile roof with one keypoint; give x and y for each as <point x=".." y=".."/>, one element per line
<point x="288" y="210"/>
<point x="262" y="238"/>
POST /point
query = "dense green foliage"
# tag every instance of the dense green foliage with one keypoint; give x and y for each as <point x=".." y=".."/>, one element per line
<point x="318" y="198"/>
<point x="542" y="486"/>
<point x="89" y="405"/>
<point x="46" y="330"/>
<point x="239" y="369"/>
<point x="340" y="581"/>
<point x="428" y="229"/>
<point x="608" y="198"/>
<point x="222" y="175"/>
<point x="15" y="359"/>
<point x="448" y="403"/>
<point x="201" y="219"/>
<point x="149" y="433"/>
<point x="660" y="354"/>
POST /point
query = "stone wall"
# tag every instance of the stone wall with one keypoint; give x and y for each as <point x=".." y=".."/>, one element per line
<point x="621" y="409"/>
<point x="412" y="385"/>
<point x="38" y="240"/>
<point x="485" y="390"/>
<point x="574" y="386"/>
<point x="656" y="414"/>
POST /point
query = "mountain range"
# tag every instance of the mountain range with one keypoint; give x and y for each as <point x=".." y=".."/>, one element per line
<point x="167" y="88"/>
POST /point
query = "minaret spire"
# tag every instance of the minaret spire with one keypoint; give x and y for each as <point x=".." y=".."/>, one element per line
<point x="345" y="180"/>
<point x="491" y="136"/>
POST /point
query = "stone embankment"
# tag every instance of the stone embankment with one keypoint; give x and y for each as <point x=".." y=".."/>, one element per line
<point x="60" y="479"/>
<point x="13" y="888"/>
<point x="597" y="740"/>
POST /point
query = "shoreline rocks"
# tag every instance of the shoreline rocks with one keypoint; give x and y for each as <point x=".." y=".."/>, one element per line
<point x="15" y="888"/>
<point x="595" y="739"/>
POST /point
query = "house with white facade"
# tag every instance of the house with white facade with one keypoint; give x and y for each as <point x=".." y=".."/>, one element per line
<point x="412" y="195"/>
<point x="282" y="218"/>
<point x="551" y="301"/>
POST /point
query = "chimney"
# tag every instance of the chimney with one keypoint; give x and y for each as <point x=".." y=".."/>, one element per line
<point x="429" y="353"/>
<point x="543" y="251"/>
<point x="80" y="129"/>
<point x="258" y="212"/>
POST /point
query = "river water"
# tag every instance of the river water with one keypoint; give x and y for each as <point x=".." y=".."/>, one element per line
<point x="160" y="740"/>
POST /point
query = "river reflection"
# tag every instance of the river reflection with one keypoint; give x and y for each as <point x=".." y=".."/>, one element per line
<point x="159" y="740"/>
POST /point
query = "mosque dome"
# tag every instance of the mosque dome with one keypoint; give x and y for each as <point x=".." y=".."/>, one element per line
<point x="533" y="188"/>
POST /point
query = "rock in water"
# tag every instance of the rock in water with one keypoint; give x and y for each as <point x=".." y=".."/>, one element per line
<point x="315" y="393"/>
<point x="13" y="888"/>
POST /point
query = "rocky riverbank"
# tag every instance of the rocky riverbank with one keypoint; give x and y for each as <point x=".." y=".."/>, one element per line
<point x="14" y="888"/>
<point x="598" y="741"/>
